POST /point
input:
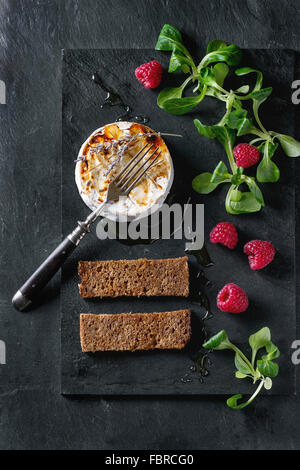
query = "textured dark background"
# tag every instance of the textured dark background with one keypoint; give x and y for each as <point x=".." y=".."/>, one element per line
<point x="33" y="415"/>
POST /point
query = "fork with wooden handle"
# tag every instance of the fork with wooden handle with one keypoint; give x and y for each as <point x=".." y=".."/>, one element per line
<point x="121" y="185"/>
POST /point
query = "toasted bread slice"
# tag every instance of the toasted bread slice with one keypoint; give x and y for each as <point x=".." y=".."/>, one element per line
<point x="135" y="278"/>
<point x="134" y="331"/>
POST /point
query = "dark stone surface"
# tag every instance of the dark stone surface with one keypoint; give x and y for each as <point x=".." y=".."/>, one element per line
<point x="270" y="291"/>
<point x="33" y="414"/>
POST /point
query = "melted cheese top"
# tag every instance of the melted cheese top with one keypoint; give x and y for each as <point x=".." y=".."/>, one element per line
<point x="104" y="154"/>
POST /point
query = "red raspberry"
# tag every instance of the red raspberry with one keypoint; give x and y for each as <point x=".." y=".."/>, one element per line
<point x="260" y="253"/>
<point x="224" y="233"/>
<point x="246" y="155"/>
<point x="232" y="299"/>
<point x="149" y="74"/>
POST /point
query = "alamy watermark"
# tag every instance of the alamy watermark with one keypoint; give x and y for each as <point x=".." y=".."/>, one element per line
<point x="163" y="222"/>
<point x="296" y="354"/>
<point x="2" y="92"/>
<point x="2" y="343"/>
<point x="296" y="93"/>
<point x="296" y="344"/>
<point x="2" y="352"/>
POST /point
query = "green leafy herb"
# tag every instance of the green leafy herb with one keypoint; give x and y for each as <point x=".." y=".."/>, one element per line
<point x="254" y="189"/>
<point x="238" y="202"/>
<point x="220" y="174"/>
<point x="202" y="183"/>
<point x="206" y="131"/>
<point x="221" y="71"/>
<point x="230" y="54"/>
<point x="238" y="120"/>
<point x="215" y="45"/>
<point x="170" y="39"/>
<point x="208" y="79"/>
<point x="259" y="340"/>
<point x="267" y="170"/>
<point x="290" y="146"/>
<point x="169" y="94"/>
<point x="218" y="341"/>
<point x="180" y="106"/>
<point x="261" y="371"/>
<point x="203" y="75"/>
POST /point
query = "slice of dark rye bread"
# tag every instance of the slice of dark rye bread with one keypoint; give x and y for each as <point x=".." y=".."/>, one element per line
<point x="134" y="331"/>
<point x="134" y="278"/>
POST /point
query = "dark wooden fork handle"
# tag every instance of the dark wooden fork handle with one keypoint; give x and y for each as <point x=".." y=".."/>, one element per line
<point x="33" y="286"/>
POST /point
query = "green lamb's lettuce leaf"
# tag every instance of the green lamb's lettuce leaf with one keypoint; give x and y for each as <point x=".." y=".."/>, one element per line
<point x="205" y="183"/>
<point x="238" y="120"/>
<point x="238" y="202"/>
<point x="246" y="70"/>
<point x="252" y="185"/>
<point x="259" y="340"/>
<point x="243" y="89"/>
<point x="268" y="383"/>
<point x="241" y="364"/>
<point x="168" y="94"/>
<point x="171" y="93"/>
<point x="232" y="402"/>
<point x="237" y="178"/>
<point x="202" y="183"/>
<point x="267" y="170"/>
<point x="261" y="95"/>
<point x="181" y="106"/>
<point x="211" y="91"/>
<point x="218" y="341"/>
<point x="169" y="38"/>
<point x="225" y="136"/>
<point x="208" y="80"/>
<point x="290" y="146"/>
<point x="220" y="174"/>
<point x="215" y="45"/>
<point x="206" y="131"/>
<point x="178" y="61"/>
<point x="214" y="76"/>
<point x="272" y="350"/>
<point x="207" y="76"/>
<point x="230" y="54"/>
<point x="221" y="71"/>
<point x="265" y="367"/>
<point x="240" y="375"/>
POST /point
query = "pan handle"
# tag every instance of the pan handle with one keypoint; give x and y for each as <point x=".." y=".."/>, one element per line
<point x="33" y="286"/>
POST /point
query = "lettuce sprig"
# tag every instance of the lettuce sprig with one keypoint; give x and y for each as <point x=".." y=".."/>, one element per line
<point x="208" y="79"/>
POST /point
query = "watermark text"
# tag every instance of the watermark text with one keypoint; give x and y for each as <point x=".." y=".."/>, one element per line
<point x="166" y="222"/>
<point x="296" y="93"/>
<point x="2" y="352"/>
<point x="296" y="354"/>
<point x="2" y="92"/>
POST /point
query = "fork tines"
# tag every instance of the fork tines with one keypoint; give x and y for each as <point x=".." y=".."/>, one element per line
<point x="132" y="172"/>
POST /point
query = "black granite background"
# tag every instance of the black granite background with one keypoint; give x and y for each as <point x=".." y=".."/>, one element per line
<point x="33" y="414"/>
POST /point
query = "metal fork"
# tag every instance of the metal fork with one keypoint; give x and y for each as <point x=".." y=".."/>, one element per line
<point x="121" y="185"/>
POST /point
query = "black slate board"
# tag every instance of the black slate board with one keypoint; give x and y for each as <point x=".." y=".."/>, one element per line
<point x="271" y="292"/>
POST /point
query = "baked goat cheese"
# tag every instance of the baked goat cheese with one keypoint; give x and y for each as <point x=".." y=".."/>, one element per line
<point x="103" y="155"/>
